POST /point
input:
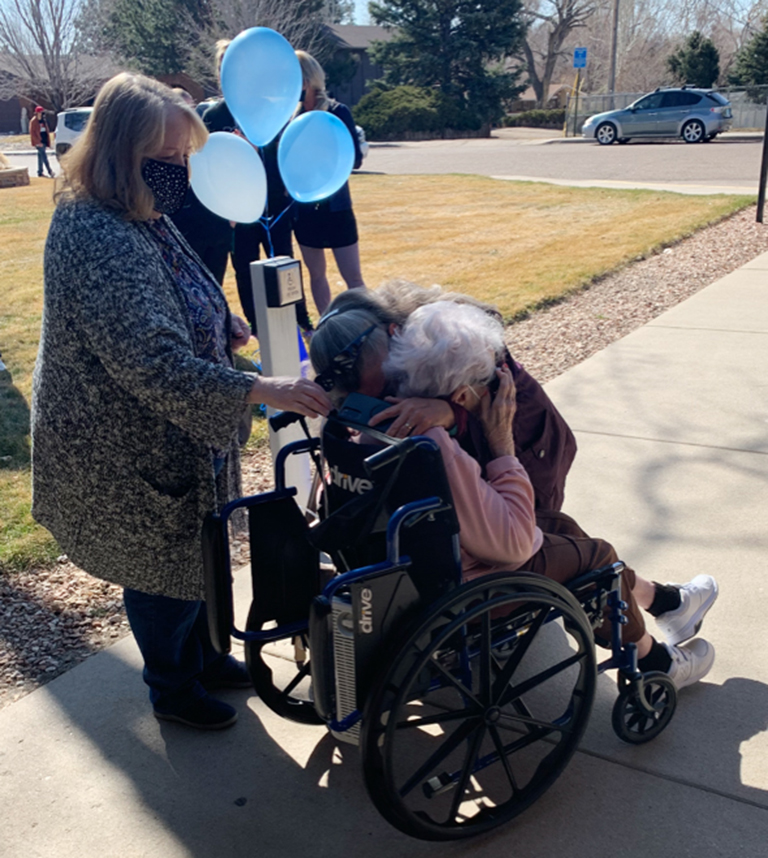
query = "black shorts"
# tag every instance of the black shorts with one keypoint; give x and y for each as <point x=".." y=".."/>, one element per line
<point x="318" y="227"/>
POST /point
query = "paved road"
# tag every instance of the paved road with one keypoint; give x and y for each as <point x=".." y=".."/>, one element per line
<point x="724" y="165"/>
<point x="30" y="161"/>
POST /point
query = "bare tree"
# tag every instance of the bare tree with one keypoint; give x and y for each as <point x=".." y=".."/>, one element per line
<point x="300" y="21"/>
<point x="649" y="31"/>
<point x="551" y="23"/>
<point x="42" y="62"/>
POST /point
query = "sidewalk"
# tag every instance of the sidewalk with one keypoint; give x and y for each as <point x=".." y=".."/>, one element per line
<point x="672" y="425"/>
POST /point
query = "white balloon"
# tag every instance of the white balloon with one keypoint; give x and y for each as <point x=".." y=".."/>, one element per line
<point x="228" y="178"/>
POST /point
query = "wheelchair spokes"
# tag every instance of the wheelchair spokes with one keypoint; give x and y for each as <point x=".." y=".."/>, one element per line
<point x="448" y="755"/>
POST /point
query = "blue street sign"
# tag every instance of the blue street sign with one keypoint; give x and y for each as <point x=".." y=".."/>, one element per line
<point x="579" y="58"/>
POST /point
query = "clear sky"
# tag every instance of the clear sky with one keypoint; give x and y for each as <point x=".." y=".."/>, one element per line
<point x="361" y="12"/>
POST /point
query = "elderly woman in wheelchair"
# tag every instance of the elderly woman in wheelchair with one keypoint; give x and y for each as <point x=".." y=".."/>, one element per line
<point x="455" y="644"/>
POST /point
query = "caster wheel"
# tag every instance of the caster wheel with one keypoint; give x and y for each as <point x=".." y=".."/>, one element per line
<point x="632" y="722"/>
<point x="280" y="676"/>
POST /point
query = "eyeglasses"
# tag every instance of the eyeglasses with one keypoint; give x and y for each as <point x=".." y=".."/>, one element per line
<point x="343" y="363"/>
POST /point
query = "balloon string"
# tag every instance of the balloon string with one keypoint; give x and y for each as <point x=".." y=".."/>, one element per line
<point x="268" y="223"/>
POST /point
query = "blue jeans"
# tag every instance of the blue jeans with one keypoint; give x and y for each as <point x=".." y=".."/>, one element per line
<point x="175" y="644"/>
<point x="42" y="161"/>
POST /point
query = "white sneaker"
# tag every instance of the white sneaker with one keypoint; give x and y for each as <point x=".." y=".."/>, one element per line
<point x="690" y="662"/>
<point x="696" y="598"/>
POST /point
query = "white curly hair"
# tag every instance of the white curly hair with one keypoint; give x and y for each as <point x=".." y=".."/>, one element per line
<point x="443" y="346"/>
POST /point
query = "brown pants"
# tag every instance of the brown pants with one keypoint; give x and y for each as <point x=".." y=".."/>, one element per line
<point x="568" y="552"/>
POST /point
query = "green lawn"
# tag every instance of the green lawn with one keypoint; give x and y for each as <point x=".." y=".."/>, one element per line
<point x="516" y="244"/>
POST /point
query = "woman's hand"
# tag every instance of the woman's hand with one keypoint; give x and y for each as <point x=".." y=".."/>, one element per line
<point x="496" y="415"/>
<point x="239" y="333"/>
<point x="414" y="416"/>
<point x="291" y="394"/>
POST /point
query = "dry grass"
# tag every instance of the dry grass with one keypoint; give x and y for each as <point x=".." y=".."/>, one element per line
<point x="513" y="244"/>
<point x="15" y="141"/>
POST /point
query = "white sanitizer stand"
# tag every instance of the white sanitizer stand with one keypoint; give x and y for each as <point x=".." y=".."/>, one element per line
<point x="277" y="287"/>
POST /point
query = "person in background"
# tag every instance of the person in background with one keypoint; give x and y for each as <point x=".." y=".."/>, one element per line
<point x="250" y="238"/>
<point x="454" y="351"/>
<point x="330" y="223"/>
<point x="41" y="140"/>
<point x="136" y="404"/>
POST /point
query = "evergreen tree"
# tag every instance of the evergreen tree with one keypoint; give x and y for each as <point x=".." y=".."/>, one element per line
<point x="455" y="46"/>
<point x="696" y="62"/>
<point x="751" y="65"/>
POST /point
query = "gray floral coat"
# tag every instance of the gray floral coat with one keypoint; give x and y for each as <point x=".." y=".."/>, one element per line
<point x="124" y="413"/>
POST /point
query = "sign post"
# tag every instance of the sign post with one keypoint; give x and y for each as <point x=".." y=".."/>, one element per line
<point x="579" y="63"/>
<point x="763" y="173"/>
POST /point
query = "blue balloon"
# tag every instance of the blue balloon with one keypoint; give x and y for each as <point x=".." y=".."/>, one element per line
<point x="261" y="81"/>
<point x="315" y="156"/>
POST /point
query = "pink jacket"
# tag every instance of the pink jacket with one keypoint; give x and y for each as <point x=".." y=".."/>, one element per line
<point x="496" y="517"/>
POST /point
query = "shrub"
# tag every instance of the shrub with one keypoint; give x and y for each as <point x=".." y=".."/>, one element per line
<point x="387" y="114"/>
<point x="536" y="119"/>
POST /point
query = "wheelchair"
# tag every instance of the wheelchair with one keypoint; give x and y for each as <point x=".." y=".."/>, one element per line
<point x="466" y="700"/>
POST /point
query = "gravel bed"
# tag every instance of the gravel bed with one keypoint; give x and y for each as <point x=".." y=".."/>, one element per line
<point x="552" y="340"/>
<point x="53" y="618"/>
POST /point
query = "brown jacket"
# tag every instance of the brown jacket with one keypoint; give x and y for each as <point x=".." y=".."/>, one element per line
<point x="34" y="131"/>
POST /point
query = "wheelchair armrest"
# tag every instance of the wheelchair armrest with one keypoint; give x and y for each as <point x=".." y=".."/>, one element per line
<point x="606" y="576"/>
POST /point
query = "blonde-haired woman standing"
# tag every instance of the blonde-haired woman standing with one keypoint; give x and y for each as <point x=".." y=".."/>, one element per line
<point x="136" y="405"/>
<point x="330" y="223"/>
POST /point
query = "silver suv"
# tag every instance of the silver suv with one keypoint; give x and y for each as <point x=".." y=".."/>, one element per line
<point x="695" y="115"/>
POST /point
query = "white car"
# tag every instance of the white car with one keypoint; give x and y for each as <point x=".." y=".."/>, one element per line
<point x="70" y="124"/>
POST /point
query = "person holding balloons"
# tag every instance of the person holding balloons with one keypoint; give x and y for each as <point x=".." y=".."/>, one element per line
<point x="136" y="404"/>
<point x="272" y="231"/>
<point x="263" y="80"/>
<point x="329" y="223"/>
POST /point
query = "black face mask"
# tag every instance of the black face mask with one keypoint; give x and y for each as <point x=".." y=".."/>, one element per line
<point x="168" y="183"/>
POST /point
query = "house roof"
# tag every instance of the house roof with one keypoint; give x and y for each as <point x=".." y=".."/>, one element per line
<point x="358" y="37"/>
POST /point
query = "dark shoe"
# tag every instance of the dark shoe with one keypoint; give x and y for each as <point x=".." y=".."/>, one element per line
<point x="206" y="713"/>
<point x="230" y="673"/>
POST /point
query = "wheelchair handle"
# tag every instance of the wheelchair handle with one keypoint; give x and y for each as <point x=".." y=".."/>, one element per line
<point x="282" y="419"/>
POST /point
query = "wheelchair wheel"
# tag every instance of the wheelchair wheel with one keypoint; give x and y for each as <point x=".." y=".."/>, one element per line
<point x="635" y="723"/>
<point x="480" y="710"/>
<point x="280" y="673"/>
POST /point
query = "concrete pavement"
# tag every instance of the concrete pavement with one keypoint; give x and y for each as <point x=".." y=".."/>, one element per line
<point x="672" y="425"/>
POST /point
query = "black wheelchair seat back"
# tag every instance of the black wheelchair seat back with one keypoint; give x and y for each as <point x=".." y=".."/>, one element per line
<point x="285" y="567"/>
<point x="367" y="484"/>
